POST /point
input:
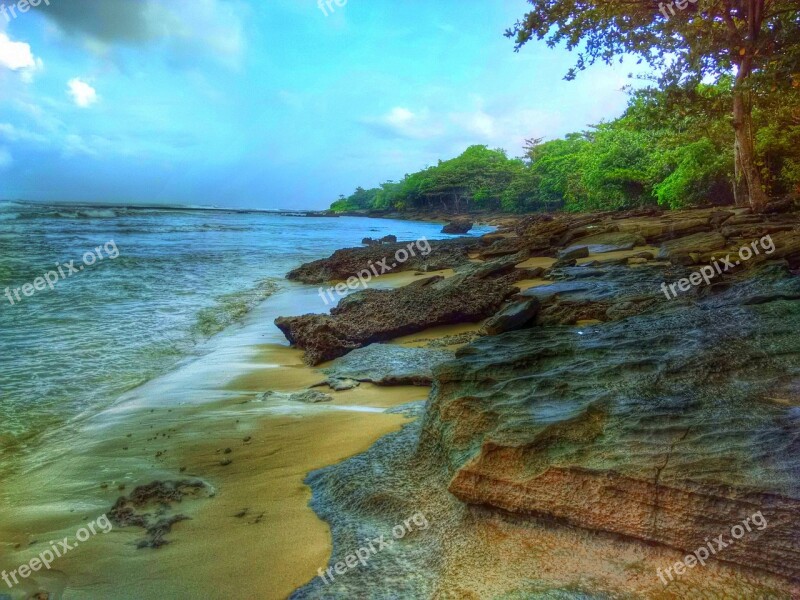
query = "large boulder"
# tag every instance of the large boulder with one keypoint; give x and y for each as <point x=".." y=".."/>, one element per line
<point x="459" y="226"/>
<point x="378" y="315"/>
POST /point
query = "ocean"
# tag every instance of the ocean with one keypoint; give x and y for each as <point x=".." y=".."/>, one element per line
<point x="147" y="290"/>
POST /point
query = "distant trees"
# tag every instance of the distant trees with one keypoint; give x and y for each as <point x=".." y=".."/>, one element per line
<point x="672" y="147"/>
<point x="752" y="44"/>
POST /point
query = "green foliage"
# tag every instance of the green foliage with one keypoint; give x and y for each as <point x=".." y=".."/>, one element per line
<point x="672" y="147"/>
<point x="698" y="170"/>
<point x="753" y="44"/>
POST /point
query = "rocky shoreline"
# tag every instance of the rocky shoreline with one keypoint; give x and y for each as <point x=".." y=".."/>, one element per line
<point x="594" y="428"/>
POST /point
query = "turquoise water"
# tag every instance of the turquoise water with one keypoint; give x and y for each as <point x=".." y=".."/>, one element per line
<point x="180" y="277"/>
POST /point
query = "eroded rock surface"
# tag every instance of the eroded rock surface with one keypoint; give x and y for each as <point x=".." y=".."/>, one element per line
<point x="379" y="315"/>
<point x="385" y="364"/>
<point x="644" y="424"/>
<point x="349" y="262"/>
<point x="662" y="426"/>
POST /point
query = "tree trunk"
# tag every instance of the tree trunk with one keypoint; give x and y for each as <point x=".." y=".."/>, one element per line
<point x="739" y="185"/>
<point x="745" y="50"/>
<point x="748" y="172"/>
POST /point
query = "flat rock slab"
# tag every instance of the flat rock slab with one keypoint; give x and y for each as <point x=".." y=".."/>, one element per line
<point x="677" y="250"/>
<point x="384" y="364"/>
<point x="608" y="283"/>
<point x="306" y="396"/>
<point x="666" y="422"/>
<point x="606" y="242"/>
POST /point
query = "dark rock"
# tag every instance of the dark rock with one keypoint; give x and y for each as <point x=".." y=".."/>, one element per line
<point x="607" y="293"/>
<point x="378" y="315"/>
<point x="460" y="226"/>
<point x="679" y="227"/>
<point x="533" y="273"/>
<point x="678" y="250"/>
<point x="778" y="206"/>
<point x="606" y="242"/>
<point x="607" y="262"/>
<point x="573" y="252"/>
<point x="718" y="217"/>
<point x="387" y="239"/>
<point x="136" y="509"/>
<point x="349" y="262"/>
<point x="514" y="316"/>
<point x="564" y="262"/>
<point x="503" y="247"/>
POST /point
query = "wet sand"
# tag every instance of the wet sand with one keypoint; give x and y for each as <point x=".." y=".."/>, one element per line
<point x="256" y="537"/>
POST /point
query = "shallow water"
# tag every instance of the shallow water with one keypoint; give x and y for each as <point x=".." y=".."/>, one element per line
<point x="180" y="277"/>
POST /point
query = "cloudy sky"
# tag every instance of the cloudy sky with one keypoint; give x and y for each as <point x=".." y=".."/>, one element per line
<point x="269" y="103"/>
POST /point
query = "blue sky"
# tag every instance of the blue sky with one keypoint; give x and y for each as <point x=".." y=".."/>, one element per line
<point x="270" y="103"/>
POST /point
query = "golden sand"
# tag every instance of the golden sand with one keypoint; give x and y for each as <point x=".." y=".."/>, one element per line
<point x="422" y="338"/>
<point x="277" y="542"/>
<point x="545" y="262"/>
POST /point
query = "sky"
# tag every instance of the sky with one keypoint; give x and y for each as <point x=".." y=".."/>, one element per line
<point x="270" y="103"/>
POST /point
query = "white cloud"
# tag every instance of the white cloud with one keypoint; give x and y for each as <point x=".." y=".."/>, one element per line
<point x="13" y="134"/>
<point x="5" y="158"/>
<point x="478" y="123"/>
<point x="402" y="122"/>
<point x="17" y="56"/>
<point x="504" y="126"/>
<point x="399" y="116"/>
<point x="82" y="93"/>
<point x="76" y="145"/>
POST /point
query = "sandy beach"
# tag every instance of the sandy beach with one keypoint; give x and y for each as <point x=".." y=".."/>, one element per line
<point x="255" y="534"/>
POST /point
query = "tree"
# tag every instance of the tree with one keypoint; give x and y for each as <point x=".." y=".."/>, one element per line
<point x="685" y="41"/>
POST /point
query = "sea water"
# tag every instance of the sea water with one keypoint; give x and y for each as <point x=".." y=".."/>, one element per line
<point x="180" y="277"/>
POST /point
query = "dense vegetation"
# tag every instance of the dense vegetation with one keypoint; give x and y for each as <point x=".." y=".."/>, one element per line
<point x="721" y="122"/>
<point x="673" y="148"/>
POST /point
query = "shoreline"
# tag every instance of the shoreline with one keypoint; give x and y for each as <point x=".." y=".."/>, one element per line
<point x="89" y="463"/>
<point x="289" y="485"/>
